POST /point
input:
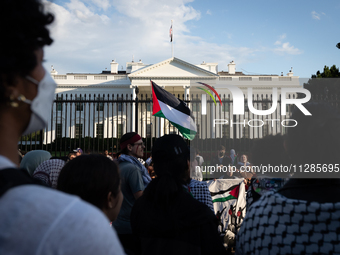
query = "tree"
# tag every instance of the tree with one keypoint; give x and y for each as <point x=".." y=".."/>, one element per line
<point x="332" y="72"/>
<point x="324" y="87"/>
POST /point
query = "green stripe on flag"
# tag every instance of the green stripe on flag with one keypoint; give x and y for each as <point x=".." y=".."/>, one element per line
<point x="223" y="199"/>
<point x="186" y="132"/>
<point x="159" y="114"/>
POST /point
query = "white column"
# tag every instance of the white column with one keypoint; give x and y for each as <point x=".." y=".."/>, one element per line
<point x="186" y="92"/>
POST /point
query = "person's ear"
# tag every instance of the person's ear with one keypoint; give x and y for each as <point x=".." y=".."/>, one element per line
<point x="129" y="147"/>
<point x="111" y="201"/>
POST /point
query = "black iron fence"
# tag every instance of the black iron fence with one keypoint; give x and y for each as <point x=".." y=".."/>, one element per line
<point x="96" y="122"/>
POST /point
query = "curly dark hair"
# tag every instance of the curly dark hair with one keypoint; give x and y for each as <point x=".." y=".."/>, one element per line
<point x="23" y="24"/>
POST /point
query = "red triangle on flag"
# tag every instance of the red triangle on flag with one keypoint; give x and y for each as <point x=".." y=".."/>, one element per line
<point x="155" y="108"/>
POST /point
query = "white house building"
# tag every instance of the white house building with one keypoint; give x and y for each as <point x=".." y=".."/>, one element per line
<point x="176" y="76"/>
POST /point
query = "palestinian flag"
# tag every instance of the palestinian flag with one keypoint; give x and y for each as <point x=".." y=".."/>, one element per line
<point x="167" y="106"/>
<point x="229" y="200"/>
<point x="225" y="195"/>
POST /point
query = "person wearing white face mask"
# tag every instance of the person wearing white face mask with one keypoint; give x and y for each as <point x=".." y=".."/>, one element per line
<point x="45" y="221"/>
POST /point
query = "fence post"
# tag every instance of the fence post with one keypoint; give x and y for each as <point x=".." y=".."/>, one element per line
<point x="40" y="139"/>
<point x="136" y="115"/>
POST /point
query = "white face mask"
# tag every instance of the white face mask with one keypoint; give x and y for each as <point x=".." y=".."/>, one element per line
<point x="41" y="104"/>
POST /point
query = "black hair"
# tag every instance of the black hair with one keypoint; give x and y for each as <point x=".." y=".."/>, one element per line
<point x="90" y="177"/>
<point x="124" y="138"/>
<point x="221" y="147"/>
<point x="170" y="155"/>
<point x="23" y="23"/>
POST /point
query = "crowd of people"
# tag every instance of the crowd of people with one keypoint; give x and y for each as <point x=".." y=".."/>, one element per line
<point x="93" y="204"/>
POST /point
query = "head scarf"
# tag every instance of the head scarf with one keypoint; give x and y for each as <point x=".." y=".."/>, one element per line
<point x="232" y="156"/>
<point x="48" y="171"/>
<point x="33" y="159"/>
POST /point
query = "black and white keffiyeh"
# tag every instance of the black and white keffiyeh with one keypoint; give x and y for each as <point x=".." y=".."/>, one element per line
<point x="278" y="225"/>
<point x="201" y="192"/>
<point x="145" y="174"/>
<point x="48" y="171"/>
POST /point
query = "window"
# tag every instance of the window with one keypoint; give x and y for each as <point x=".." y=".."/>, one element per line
<point x="226" y="131"/>
<point x="120" y="104"/>
<point x="100" y="77"/>
<point x="80" y="77"/>
<point x="246" y="131"/>
<point x="79" y="131"/>
<point x="120" y="77"/>
<point x="100" y="105"/>
<point x="100" y="131"/>
<point x="225" y="78"/>
<point x="59" y="104"/>
<point x="60" y="77"/>
<point x="119" y="130"/>
<point x="79" y="105"/>
<point x="58" y="130"/>
<point x="285" y="78"/>
<point x="195" y="106"/>
<point x="265" y="78"/>
<point x="148" y="130"/>
<point x="246" y="107"/>
<point x="265" y="105"/>
<point x="225" y="107"/>
<point x="245" y="78"/>
<point x="148" y="107"/>
<point x="265" y="130"/>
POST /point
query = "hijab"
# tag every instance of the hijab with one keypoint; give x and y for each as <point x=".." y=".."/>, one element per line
<point x="33" y="159"/>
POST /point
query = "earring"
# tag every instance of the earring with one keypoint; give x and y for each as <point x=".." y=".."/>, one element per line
<point x="12" y="103"/>
<point x="21" y="98"/>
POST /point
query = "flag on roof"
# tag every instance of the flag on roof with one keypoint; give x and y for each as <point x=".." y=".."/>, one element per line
<point x="167" y="106"/>
<point x="170" y="33"/>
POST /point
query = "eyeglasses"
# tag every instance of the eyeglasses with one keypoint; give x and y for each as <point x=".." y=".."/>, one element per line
<point x="142" y="144"/>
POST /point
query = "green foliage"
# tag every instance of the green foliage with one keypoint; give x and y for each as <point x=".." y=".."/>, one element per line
<point x="34" y="137"/>
<point x="332" y="72"/>
<point x="323" y="84"/>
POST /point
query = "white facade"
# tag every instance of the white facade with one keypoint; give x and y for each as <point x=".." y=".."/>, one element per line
<point x="175" y="76"/>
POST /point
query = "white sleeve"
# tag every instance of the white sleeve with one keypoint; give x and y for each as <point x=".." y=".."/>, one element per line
<point x="82" y="229"/>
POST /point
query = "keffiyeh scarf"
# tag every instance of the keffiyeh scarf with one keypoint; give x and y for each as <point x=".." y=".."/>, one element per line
<point x="48" y="171"/>
<point x="145" y="175"/>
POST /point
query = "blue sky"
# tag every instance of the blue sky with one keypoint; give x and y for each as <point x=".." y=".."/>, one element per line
<point x="262" y="37"/>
